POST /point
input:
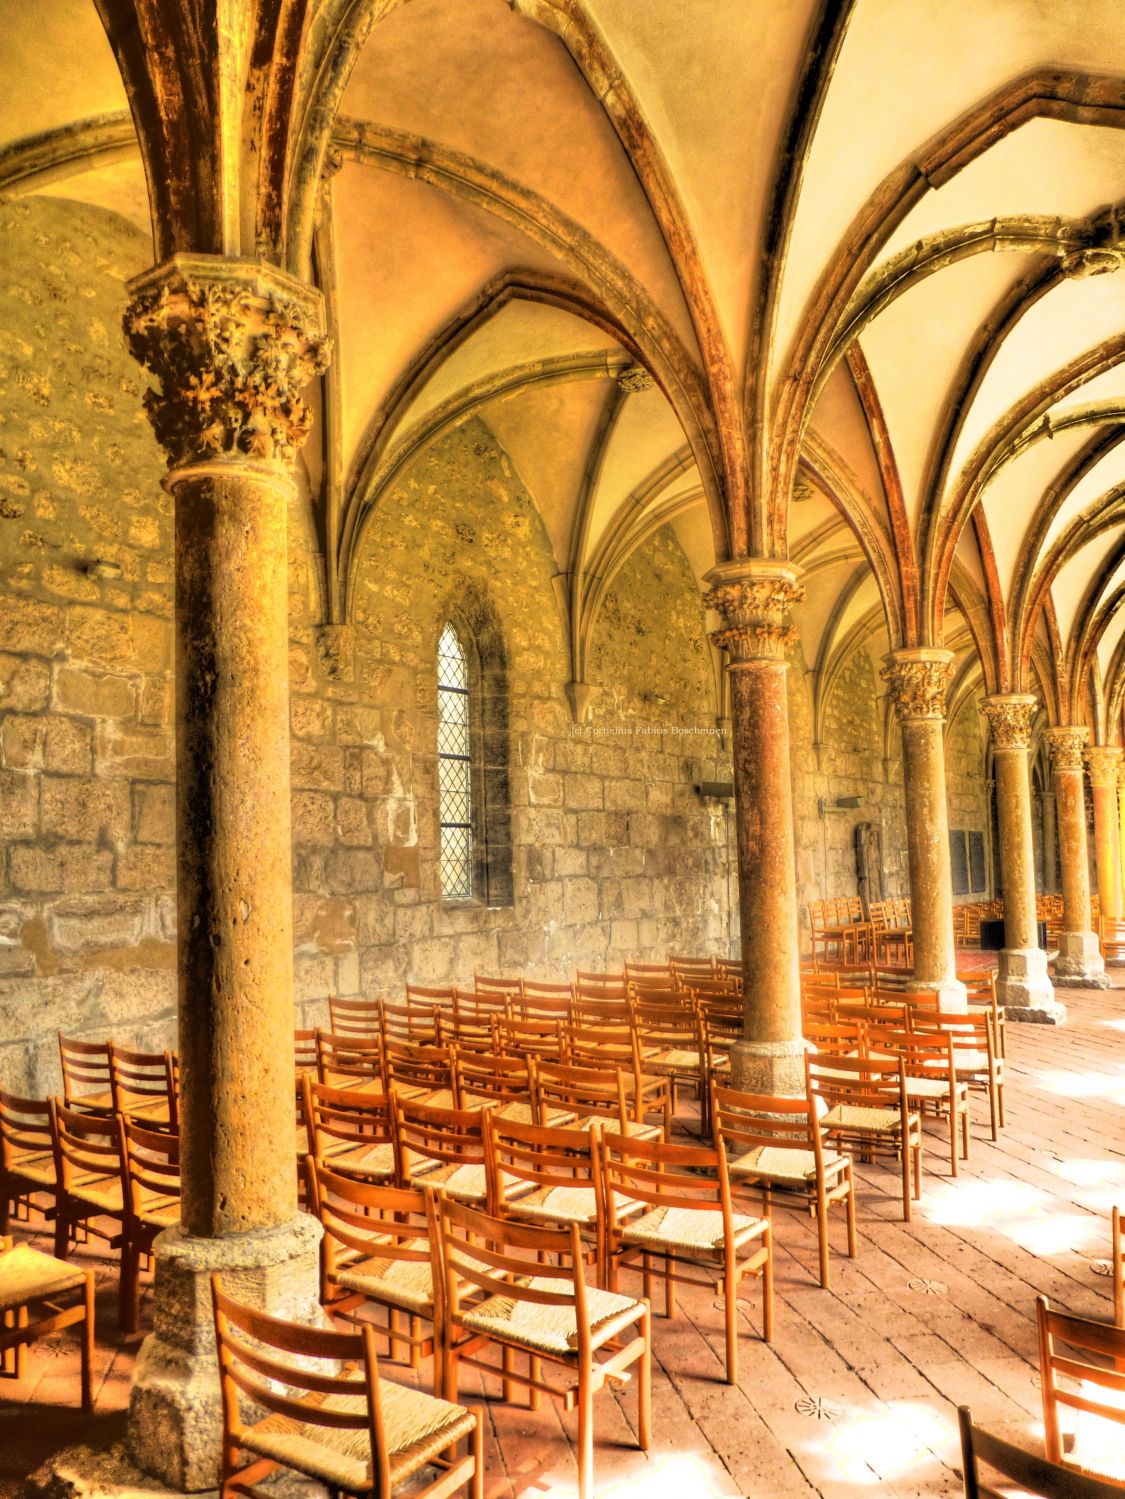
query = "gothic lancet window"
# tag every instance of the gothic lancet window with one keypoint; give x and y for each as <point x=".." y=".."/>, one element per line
<point x="455" y="768"/>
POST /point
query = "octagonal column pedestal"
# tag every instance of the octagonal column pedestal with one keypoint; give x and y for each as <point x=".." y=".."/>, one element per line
<point x="1023" y="985"/>
<point x="1079" y="963"/>
<point x="1103" y="764"/>
<point x="917" y="679"/>
<point x="232" y="345"/>
<point x="753" y="599"/>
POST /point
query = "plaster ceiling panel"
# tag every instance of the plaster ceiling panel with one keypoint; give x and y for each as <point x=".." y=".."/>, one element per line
<point x="838" y="420"/>
<point x="121" y="188"/>
<point x="1072" y="319"/>
<point x="1012" y="496"/>
<point x="1109" y="386"/>
<point x="521" y="335"/>
<point x="1111" y="635"/>
<point x="915" y="349"/>
<point x="56" y="66"/>
<point x="1076" y="575"/>
<point x="646" y="435"/>
<point x="1048" y="168"/>
<point x="1102" y="478"/>
<point x="806" y="516"/>
<point x="692" y="529"/>
<point x="482" y="80"/>
<point x="905" y="72"/>
<point x="715" y="94"/>
<point x="552" y="471"/>
<point x="398" y="291"/>
<point x="822" y="597"/>
<point x="967" y="556"/>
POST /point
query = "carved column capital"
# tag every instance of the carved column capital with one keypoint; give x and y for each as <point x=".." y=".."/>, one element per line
<point x="1065" y="746"/>
<point x="1010" y="718"/>
<point x="1102" y="764"/>
<point x="753" y="597"/>
<point x="232" y="343"/>
<point x="917" y="680"/>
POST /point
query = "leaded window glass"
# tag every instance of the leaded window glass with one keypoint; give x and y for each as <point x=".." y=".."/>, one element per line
<point x="454" y="768"/>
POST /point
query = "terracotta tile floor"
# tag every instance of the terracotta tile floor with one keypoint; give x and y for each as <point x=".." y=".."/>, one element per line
<point x="859" y="1388"/>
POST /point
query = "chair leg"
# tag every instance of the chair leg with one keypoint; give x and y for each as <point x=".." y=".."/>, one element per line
<point x="822" y="1231"/>
<point x="88" y="1346"/>
<point x="478" y="1457"/>
<point x="449" y="1375"/>
<point x="905" y="1178"/>
<point x="767" y="1287"/>
<point x="644" y="1386"/>
<point x="965" y="1135"/>
<point x="585" y="1435"/>
<point x="129" y="1291"/>
<point x="62" y="1234"/>
<point x="506" y="1357"/>
<point x="21" y="1348"/>
<point x="730" y="1312"/>
<point x="952" y="1136"/>
<point x="850" y="1206"/>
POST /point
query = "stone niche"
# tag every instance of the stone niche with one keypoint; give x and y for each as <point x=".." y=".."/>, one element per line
<point x="613" y="853"/>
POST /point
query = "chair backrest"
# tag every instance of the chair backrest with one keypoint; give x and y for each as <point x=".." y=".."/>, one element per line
<point x="536" y="1156"/>
<point x="468" y="1032"/>
<point x="304" y="1051"/>
<point x="151" y="1160"/>
<point x="586" y="1091"/>
<point x="409" y="1066"/>
<point x="604" y="1045"/>
<point x="341" y="1118"/>
<point x="85" y="1069"/>
<point x="343" y="1057"/>
<point x="925" y="1054"/>
<point x="365" y="1220"/>
<point x="430" y="996"/>
<point x="353" y="1016"/>
<point x="86" y="1145"/>
<point x="544" y="989"/>
<point x="971" y="1030"/>
<point x="866" y="1082"/>
<point x="485" y="1256"/>
<point x="479" y="1006"/>
<point x="25" y="1131"/>
<point x="536" y="1037"/>
<point x="599" y="1011"/>
<point x="1101" y="1379"/>
<point x="673" y="1025"/>
<point x="448" y="1137"/>
<point x="659" y="1174"/>
<point x="489" y="1077"/>
<point x="277" y="1365"/>
<point x="499" y="987"/>
<point x="537" y="1005"/>
<point x="587" y="978"/>
<point x="139" y="1079"/>
<point x="1034" y="1474"/>
<point x="415" y="1022"/>
<point x="758" y="1121"/>
<point x="836" y="1038"/>
<point x="646" y="975"/>
<point x="660" y="994"/>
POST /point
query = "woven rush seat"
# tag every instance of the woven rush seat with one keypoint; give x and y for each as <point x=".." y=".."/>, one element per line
<point x="101" y="1191"/>
<point x="521" y="1112"/>
<point x="418" y="1427"/>
<point x="405" y="1283"/>
<point x="927" y="1087"/>
<point x="694" y="1230"/>
<point x="551" y="1329"/>
<point x="559" y="1204"/>
<point x="159" y="1211"/>
<point x="856" y="1116"/>
<point x="635" y="1129"/>
<point x="28" y="1275"/>
<point x="376" y="1160"/>
<point x="37" y="1165"/>
<point x="783" y="1164"/>
<point x="970" y="1061"/>
<point x="675" y="1059"/>
<point x="100" y="1103"/>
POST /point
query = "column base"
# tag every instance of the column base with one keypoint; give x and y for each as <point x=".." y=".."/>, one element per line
<point x="774" y="1068"/>
<point x="1025" y="990"/>
<point x="1079" y="964"/>
<point x="175" y="1418"/>
<point x="949" y="994"/>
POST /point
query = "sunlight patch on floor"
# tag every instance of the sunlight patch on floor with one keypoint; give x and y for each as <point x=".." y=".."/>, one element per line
<point x="869" y="1447"/>
<point x="668" y="1475"/>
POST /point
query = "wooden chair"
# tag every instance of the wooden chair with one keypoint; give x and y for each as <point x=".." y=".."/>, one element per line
<point x="351" y="1130"/>
<point x="494" y="1081"/>
<point x="595" y="1097"/>
<point x="975" y="1055"/>
<point x="599" y="1010"/>
<point x="866" y="1105"/>
<point x="37" y="1300"/>
<point x="494" y="1295"/>
<point x="349" y="1061"/>
<point x="468" y="1032"/>
<point x="412" y="1024"/>
<point x="672" y="1045"/>
<point x="442" y="1147"/>
<point x="353" y="1431"/>
<point x="431" y="996"/>
<point x="649" y="976"/>
<point x="151" y="1181"/>
<point x="931" y="1077"/>
<point x="586" y="978"/>
<point x="550" y="1176"/>
<point x="600" y="1046"/>
<point x="354" y="1017"/>
<point x="87" y="1081"/>
<point x="416" y="1071"/>
<point x="1034" y="1475"/>
<point x="90" y="1171"/>
<point x="1099" y="1398"/>
<point x="304" y="1052"/>
<point x="380" y="1248"/>
<point x="673" y="1203"/>
<point x="516" y="1036"/>
<point x="485" y="988"/>
<point x="980" y="989"/>
<point x="550" y="1002"/>
<point x="777" y="1145"/>
<point x="27" y="1158"/>
<point x="731" y="970"/>
<point x="141" y="1086"/>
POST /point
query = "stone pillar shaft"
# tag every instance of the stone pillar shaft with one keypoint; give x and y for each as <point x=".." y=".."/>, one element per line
<point x="1103" y="763"/>
<point x="753" y="598"/>
<point x="1079" y="963"/>
<point x="232" y="343"/>
<point x="1023" y="985"/>
<point x="1050" y="843"/>
<point x="917" y="679"/>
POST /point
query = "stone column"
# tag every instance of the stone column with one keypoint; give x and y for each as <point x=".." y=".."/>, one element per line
<point x="1079" y="963"/>
<point x="1023" y="985"/>
<point x="753" y="598"/>
<point x="1050" y="845"/>
<point x="1103" y="762"/>
<point x="231" y="344"/>
<point x="1121" y="828"/>
<point x="917" y="679"/>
